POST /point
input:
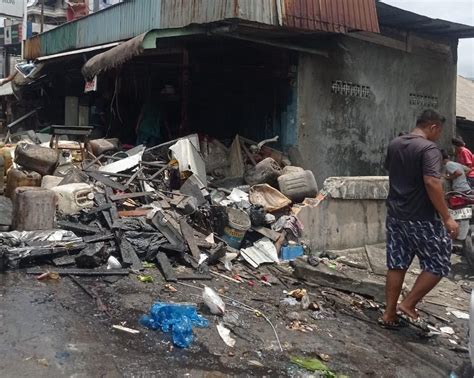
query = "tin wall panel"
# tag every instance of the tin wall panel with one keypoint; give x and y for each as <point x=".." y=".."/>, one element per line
<point x="337" y="16"/>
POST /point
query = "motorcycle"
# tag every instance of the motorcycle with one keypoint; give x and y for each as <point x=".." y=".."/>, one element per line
<point x="460" y="207"/>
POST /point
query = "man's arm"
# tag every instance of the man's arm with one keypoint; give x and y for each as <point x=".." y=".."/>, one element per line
<point x="435" y="191"/>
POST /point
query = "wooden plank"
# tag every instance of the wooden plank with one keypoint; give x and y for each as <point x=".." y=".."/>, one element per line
<point x="101" y="201"/>
<point x="82" y="272"/>
<point x="105" y="236"/>
<point x="248" y="153"/>
<point x="113" y="209"/>
<point x="125" y="196"/>
<point x="129" y="256"/>
<point x="105" y="180"/>
<point x="269" y="233"/>
<point x="64" y="261"/>
<point x="237" y="168"/>
<point x="188" y="235"/>
<point x="77" y="227"/>
<point x="166" y="268"/>
<point x="133" y="213"/>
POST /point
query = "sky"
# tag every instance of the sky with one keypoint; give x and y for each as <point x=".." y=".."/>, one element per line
<point x="460" y="11"/>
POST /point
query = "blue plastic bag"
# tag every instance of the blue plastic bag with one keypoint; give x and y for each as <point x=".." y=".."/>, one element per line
<point x="176" y="318"/>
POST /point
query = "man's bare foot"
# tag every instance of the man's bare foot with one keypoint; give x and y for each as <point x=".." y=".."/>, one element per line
<point x="411" y="312"/>
<point x="389" y="318"/>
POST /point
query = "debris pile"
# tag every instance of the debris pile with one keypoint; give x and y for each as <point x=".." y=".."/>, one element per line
<point x="189" y="202"/>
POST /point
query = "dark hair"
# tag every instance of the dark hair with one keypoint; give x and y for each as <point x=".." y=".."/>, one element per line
<point x="402" y="133"/>
<point x="429" y="117"/>
<point x="458" y="142"/>
<point x="445" y="154"/>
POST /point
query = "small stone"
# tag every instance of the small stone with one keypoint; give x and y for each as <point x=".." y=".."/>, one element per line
<point x="292" y="316"/>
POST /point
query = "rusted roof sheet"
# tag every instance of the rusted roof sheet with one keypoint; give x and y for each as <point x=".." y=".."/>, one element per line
<point x="179" y="13"/>
<point x="337" y="16"/>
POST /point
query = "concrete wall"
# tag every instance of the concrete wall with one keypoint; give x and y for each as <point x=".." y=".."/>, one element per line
<point x="353" y="215"/>
<point x="341" y="135"/>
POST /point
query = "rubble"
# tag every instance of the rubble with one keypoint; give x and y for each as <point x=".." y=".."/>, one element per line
<point x="171" y="214"/>
<point x="156" y="204"/>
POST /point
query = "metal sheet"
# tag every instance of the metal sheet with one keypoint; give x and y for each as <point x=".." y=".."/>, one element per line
<point x="338" y="16"/>
<point x="134" y="17"/>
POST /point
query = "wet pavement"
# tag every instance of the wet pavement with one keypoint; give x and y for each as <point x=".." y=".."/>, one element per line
<point x="54" y="329"/>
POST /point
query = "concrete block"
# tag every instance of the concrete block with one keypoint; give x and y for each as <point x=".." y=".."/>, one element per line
<point x="351" y="280"/>
<point x="337" y="224"/>
<point x="357" y="187"/>
<point x="377" y="258"/>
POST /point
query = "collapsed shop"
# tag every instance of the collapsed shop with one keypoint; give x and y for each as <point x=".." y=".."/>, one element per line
<point x="214" y="86"/>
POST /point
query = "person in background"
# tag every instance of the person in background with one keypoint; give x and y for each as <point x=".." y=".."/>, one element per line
<point x="464" y="157"/>
<point x="418" y="219"/>
<point x="456" y="173"/>
<point x="149" y="124"/>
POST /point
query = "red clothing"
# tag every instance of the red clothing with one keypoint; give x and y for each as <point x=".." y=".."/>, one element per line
<point x="464" y="157"/>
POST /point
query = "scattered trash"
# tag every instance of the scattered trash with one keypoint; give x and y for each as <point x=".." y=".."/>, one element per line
<point x="256" y="363"/>
<point x="459" y="314"/>
<point x="213" y="301"/>
<point x="447" y="330"/>
<point x="263" y="251"/>
<point x="149" y="265"/>
<point x="224" y="333"/>
<point x="113" y="263"/>
<point x="179" y="319"/>
<point x="298" y="293"/>
<point x="145" y="278"/>
<point x="48" y="276"/>
<point x="170" y="288"/>
<point x="314" y="365"/>
<point x="126" y="329"/>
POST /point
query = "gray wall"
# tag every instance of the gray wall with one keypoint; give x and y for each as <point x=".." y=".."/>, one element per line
<point x="340" y="135"/>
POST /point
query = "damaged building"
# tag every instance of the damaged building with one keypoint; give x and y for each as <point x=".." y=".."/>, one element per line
<point x="335" y="81"/>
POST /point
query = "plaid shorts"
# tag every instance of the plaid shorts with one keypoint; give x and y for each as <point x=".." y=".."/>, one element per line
<point x="428" y="240"/>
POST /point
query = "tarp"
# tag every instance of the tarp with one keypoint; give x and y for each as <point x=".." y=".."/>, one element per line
<point x="114" y="57"/>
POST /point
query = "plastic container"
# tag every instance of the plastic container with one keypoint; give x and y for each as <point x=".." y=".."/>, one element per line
<point x="33" y="209"/>
<point x="265" y="172"/>
<point x="7" y="152"/>
<point x="291" y="252"/>
<point x="239" y="224"/>
<point x="72" y="198"/>
<point x="298" y="186"/>
<point x="48" y="182"/>
<point x="17" y="177"/>
<point x="102" y="146"/>
<point x="36" y="158"/>
<point x="292" y="169"/>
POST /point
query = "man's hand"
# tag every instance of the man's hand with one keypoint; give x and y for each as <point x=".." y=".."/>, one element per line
<point x="452" y="227"/>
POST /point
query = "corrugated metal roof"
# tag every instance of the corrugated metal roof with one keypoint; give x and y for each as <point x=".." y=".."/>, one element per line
<point x="465" y="98"/>
<point x="338" y="16"/>
<point x="179" y="13"/>
<point x="401" y="19"/>
<point x="134" y="17"/>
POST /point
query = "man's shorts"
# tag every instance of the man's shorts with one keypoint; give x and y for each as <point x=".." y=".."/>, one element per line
<point x="428" y="240"/>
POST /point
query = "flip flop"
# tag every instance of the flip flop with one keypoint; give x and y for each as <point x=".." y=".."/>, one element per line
<point x="418" y="322"/>
<point x="392" y="325"/>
